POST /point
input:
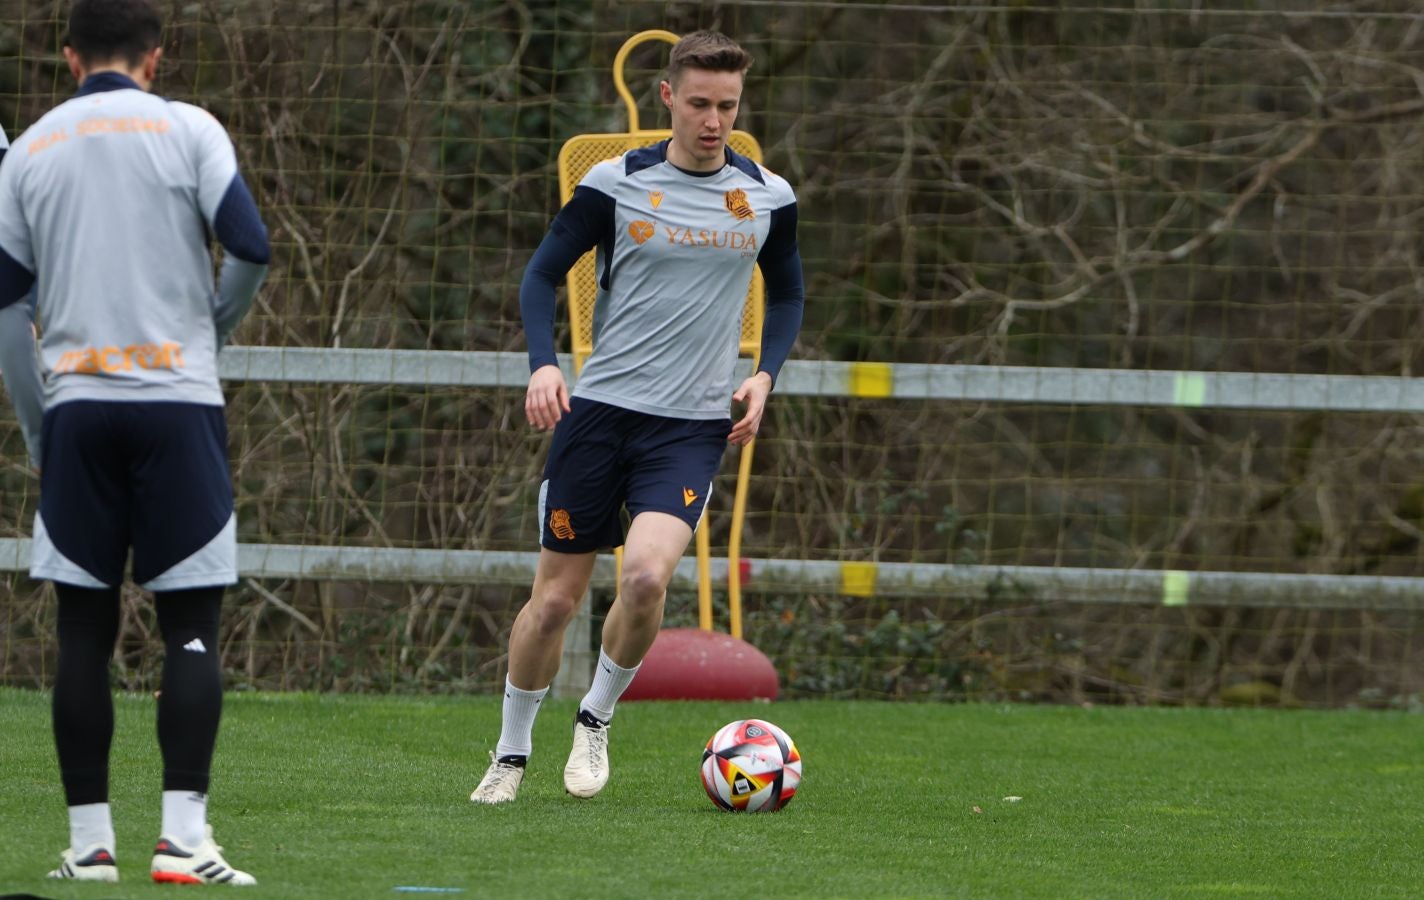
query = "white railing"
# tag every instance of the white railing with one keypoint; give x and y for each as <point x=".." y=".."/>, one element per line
<point x="1088" y="387"/>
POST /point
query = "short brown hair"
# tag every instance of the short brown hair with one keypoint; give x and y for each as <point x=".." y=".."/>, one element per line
<point x="103" y="31"/>
<point x="709" y="50"/>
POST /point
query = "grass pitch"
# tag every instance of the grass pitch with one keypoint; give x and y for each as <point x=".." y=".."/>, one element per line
<point x="352" y="797"/>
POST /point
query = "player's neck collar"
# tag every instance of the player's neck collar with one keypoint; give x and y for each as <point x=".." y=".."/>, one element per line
<point x="663" y="150"/>
<point x="106" y="81"/>
<point x="716" y="171"/>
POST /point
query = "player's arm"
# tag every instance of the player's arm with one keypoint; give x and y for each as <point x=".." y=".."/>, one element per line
<point x="584" y="221"/>
<point x="780" y="263"/>
<point x="232" y="215"/>
<point x="19" y="362"/>
<point x="247" y="254"/>
<point x="20" y="368"/>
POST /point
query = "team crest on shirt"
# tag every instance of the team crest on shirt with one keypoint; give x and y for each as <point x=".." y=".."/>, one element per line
<point x="738" y="205"/>
<point x="640" y="231"/>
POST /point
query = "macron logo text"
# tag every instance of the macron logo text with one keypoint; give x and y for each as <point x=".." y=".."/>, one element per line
<point x="93" y="360"/>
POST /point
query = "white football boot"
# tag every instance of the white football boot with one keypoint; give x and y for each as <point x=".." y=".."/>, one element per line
<point x="501" y="781"/>
<point x="96" y="863"/>
<point x="174" y="863"/>
<point x="587" y="769"/>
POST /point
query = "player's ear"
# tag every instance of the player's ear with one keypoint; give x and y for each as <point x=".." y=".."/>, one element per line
<point x="665" y="91"/>
<point x="76" y="65"/>
<point x="150" y="64"/>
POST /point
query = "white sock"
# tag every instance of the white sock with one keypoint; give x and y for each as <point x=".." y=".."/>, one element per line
<point x="610" y="680"/>
<point x="516" y="735"/>
<point x="185" y="817"/>
<point x="90" y="824"/>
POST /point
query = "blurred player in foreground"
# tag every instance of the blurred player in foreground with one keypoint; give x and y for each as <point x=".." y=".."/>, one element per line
<point x="678" y="227"/>
<point x="106" y="207"/>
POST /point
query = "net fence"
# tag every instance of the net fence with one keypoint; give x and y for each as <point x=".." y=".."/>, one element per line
<point x="1159" y="187"/>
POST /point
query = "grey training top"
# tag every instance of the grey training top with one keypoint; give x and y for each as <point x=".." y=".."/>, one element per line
<point x="675" y="254"/>
<point x="110" y="200"/>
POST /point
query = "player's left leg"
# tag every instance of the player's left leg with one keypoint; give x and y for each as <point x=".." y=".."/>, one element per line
<point x="81" y="544"/>
<point x="84" y="728"/>
<point x="671" y="466"/>
<point x="655" y="543"/>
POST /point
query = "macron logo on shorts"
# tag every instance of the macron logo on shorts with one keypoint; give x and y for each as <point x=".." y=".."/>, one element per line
<point x="689" y="496"/>
<point x="195" y="646"/>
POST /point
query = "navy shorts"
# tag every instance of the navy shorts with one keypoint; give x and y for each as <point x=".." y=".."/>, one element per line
<point x="605" y="458"/>
<point x="149" y="476"/>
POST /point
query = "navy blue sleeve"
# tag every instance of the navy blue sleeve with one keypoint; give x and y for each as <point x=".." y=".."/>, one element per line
<point x="15" y="280"/>
<point x="238" y="226"/>
<point x="781" y="237"/>
<point x="584" y="221"/>
<point x="780" y="262"/>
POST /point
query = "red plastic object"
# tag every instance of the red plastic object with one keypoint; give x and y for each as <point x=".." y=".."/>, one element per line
<point x="692" y="664"/>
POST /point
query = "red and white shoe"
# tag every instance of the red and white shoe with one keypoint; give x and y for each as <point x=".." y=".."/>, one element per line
<point x="174" y="863"/>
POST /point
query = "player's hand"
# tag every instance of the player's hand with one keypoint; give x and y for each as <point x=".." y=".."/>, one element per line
<point x="547" y="399"/>
<point x="753" y="393"/>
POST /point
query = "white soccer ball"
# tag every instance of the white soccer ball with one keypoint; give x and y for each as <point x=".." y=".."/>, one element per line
<point x="751" y="766"/>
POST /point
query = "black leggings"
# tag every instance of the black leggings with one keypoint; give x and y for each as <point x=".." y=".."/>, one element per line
<point x="189" y="705"/>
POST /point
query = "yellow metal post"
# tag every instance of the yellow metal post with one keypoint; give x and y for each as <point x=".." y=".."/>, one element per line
<point x="621" y="59"/>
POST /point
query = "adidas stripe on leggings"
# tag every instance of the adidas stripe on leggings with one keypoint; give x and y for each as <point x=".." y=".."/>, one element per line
<point x="189" y="705"/>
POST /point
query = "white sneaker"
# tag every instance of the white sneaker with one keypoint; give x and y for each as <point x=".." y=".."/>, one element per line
<point x="96" y="863"/>
<point x="500" y="784"/>
<point x="587" y="769"/>
<point x="174" y="863"/>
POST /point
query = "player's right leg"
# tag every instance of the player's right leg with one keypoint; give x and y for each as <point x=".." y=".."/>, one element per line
<point x="186" y="553"/>
<point x="579" y="514"/>
<point x="189" y="708"/>
<point x="536" y="644"/>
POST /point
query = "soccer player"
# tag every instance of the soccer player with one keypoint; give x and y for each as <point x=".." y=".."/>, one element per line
<point x="678" y="227"/>
<point x="107" y="204"/>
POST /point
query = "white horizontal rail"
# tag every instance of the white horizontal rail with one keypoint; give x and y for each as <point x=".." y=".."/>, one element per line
<point x="904" y="381"/>
<point x="841" y="379"/>
<point x="320" y="365"/>
<point x="1077" y="585"/>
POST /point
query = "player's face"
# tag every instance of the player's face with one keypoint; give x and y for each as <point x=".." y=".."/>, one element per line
<point x="704" y="106"/>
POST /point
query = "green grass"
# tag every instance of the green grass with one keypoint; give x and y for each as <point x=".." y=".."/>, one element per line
<point x="351" y="796"/>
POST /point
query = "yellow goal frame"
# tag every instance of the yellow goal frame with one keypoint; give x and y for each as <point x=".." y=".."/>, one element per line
<point x="579" y="154"/>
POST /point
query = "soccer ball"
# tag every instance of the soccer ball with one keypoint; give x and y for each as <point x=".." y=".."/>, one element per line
<point x="751" y="766"/>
